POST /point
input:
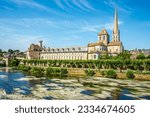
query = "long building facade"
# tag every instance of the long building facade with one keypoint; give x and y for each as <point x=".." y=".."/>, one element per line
<point x="91" y="52"/>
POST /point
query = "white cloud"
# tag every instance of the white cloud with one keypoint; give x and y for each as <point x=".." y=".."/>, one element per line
<point x="83" y="5"/>
<point x="60" y="4"/>
<point x="89" y="28"/>
<point x="109" y="26"/>
<point x="119" y="5"/>
<point x="30" y="3"/>
<point x="86" y="4"/>
<point x="68" y="3"/>
<point x="5" y="7"/>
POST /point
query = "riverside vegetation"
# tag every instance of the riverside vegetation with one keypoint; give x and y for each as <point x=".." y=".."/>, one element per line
<point x="40" y="72"/>
<point x="106" y="66"/>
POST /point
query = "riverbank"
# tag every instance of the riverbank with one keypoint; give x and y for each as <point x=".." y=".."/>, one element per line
<point x="80" y="72"/>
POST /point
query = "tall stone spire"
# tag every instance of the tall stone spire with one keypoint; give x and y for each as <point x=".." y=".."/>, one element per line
<point x="116" y="35"/>
<point x="115" y="22"/>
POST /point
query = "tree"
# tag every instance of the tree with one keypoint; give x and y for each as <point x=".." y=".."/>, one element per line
<point x="106" y="56"/>
<point x="148" y="57"/>
<point x="140" y="56"/>
<point x="16" y="51"/>
<point x="1" y="51"/>
<point x="1" y="54"/>
<point x="10" y="51"/>
<point x="124" y="55"/>
<point x="14" y="62"/>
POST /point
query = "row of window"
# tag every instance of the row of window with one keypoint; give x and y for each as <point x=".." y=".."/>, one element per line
<point x="66" y="50"/>
<point x="63" y="57"/>
<point x="63" y="54"/>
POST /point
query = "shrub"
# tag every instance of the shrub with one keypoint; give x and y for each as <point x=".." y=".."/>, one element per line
<point x="130" y="74"/>
<point x="63" y="71"/>
<point x="37" y="71"/>
<point x="14" y="62"/>
<point x="140" y="56"/>
<point x="90" y="72"/>
<point x="103" y="73"/>
<point x="111" y="74"/>
<point x="24" y="68"/>
<point x="2" y="64"/>
<point x="56" y="72"/>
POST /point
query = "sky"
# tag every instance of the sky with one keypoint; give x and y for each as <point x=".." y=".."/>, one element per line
<point x="67" y="23"/>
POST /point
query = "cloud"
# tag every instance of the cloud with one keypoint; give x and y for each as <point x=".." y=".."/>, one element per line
<point x="60" y="4"/>
<point x="68" y="3"/>
<point x="109" y="26"/>
<point x="5" y="7"/>
<point x="89" y="28"/>
<point x="20" y="41"/>
<point x="119" y="5"/>
<point x="86" y="4"/>
<point x="31" y="3"/>
<point x="83" y="5"/>
<point x="79" y="5"/>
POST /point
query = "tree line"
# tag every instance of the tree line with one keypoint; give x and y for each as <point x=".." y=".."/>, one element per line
<point x="93" y="64"/>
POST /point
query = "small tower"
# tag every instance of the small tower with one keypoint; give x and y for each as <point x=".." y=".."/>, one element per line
<point x="116" y="32"/>
<point x="41" y="44"/>
<point x="103" y="37"/>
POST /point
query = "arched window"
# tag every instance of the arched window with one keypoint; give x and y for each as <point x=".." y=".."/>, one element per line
<point x="104" y="37"/>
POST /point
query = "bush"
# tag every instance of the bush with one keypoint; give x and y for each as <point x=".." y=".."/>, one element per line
<point x="14" y="62"/>
<point x="130" y="74"/>
<point x="64" y="71"/>
<point x="111" y="74"/>
<point x="3" y="64"/>
<point x="24" y="68"/>
<point x="56" y="72"/>
<point x="90" y="72"/>
<point x="140" y="56"/>
<point x="37" y="71"/>
<point x="103" y="73"/>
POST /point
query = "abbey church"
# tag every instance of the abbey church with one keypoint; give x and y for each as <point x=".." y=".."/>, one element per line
<point x="91" y="52"/>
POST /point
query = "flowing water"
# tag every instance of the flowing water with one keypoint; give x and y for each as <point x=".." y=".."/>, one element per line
<point x="16" y="85"/>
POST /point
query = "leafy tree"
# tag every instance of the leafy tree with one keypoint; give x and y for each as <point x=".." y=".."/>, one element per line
<point x="24" y="68"/>
<point x="148" y="57"/>
<point x="14" y="62"/>
<point x="10" y="51"/>
<point x="1" y="54"/>
<point x="124" y="55"/>
<point x="140" y="56"/>
<point x="106" y="56"/>
<point x="37" y="71"/>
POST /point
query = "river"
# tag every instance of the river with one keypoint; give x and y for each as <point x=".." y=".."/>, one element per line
<point x="16" y="85"/>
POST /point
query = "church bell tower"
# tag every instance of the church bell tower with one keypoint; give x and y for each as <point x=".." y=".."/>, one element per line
<point x="116" y="32"/>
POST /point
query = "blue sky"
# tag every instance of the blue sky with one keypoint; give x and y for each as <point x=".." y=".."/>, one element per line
<point x="66" y="23"/>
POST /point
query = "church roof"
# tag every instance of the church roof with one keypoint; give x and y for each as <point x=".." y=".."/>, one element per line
<point x="96" y="44"/>
<point x="115" y="43"/>
<point x="103" y="32"/>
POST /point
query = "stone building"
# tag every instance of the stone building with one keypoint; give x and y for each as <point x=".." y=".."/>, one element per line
<point x="34" y="51"/>
<point x="91" y="52"/>
<point x="104" y="45"/>
<point x="73" y="53"/>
